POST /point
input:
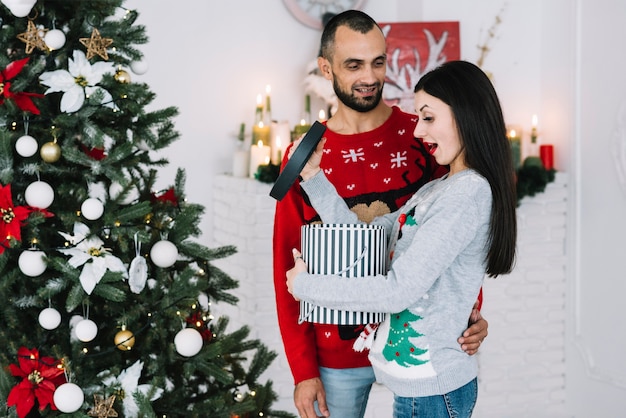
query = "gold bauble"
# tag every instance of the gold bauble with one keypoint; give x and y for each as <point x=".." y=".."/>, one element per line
<point x="50" y="152"/>
<point x="122" y="76"/>
<point x="124" y="340"/>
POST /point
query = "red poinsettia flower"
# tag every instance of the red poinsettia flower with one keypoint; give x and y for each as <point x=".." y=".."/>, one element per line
<point x="197" y="320"/>
<point x="96" y="153"/>
<point x="40" y="378"/>
<point x="167" y="196"/>
<point x="11" y="218"/>
<point x="22" y="99"/>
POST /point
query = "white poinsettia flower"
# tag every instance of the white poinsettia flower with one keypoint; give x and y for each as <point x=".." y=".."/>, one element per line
<point x="128" y="381"/>
<point x="88" y="251"/>
<point x="78" y="81"/>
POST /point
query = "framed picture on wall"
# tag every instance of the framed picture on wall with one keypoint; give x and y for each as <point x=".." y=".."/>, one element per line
<point x="414" y="48"/>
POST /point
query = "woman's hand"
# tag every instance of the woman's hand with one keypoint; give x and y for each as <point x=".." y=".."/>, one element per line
<point x="312" y="166"/>
<point x="299" y="267"/>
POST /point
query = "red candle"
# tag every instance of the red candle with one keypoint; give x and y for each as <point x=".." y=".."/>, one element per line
<point x="546" y="153"/>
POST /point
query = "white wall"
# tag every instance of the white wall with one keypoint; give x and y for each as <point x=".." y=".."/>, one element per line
<point x="560" y="59"/>
<point x="211" y="60"/>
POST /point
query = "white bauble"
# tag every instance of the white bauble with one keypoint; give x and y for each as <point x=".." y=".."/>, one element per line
<point x="68" y="398"/>
<point x="32" y="262"/>
<point x="92" y="209"/>
<point x="86" y="330"/>
<point x="26" y="146"/>
<point x="54" y="39"/>
<point x="139" y="67"/>
<point x="39" y="194"/>
<point x="20" y="8"/>
<point x="188" y="342"/>
<point x="49" y="318"/>
<point x="164" y="253"/>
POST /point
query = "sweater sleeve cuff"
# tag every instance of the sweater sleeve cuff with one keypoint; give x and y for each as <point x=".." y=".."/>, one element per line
<point x="317" y="185"/>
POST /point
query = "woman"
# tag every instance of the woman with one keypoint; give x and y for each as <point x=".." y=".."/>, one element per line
<point x="441" y="244"/>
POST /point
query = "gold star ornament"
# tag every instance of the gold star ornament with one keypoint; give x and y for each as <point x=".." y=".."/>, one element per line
<point x="96" y="45"/>
<point x="33" y="38"/>
<point x="103" y="408"/>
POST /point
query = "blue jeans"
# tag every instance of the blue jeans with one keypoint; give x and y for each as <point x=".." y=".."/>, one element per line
<point x="456" y="404"/>
<point x="347" y="391"/>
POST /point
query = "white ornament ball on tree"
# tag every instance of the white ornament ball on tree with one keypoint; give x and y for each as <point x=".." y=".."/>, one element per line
<point x="26" y="146"/>
<point x="164" y="254"/>
<point x="92" y="209"/>
<point x="86" y="330"/>
<point x="20" y="8"/>
<point x="139" y="67"/>
<point x="32" y="262"/>
<point x="39" y="194"/>
<point x="68" y="398"/>
<point x="54" y="39"/>
<point x="49" y="318"/>
<point x="188" y="342"/>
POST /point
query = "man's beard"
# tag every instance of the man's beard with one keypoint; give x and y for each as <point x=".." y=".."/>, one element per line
<point x="358" y="104"/>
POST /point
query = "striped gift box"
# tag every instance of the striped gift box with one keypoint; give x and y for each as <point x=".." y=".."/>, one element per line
<point x="348" y="250"/>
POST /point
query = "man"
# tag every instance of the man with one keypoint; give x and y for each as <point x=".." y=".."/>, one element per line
<point x="369" y="141"/>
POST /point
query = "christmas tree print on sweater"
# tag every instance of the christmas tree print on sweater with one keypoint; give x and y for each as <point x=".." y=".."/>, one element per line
<point x="399" y="348"/>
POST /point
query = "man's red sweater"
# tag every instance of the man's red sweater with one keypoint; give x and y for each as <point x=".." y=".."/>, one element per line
<point x="375" y="172"/>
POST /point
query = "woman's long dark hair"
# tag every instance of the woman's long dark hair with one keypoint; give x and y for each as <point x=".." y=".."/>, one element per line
<point x="476" y="108"/>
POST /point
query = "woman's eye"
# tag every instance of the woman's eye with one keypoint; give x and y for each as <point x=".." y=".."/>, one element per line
<point x="427" y="118"/>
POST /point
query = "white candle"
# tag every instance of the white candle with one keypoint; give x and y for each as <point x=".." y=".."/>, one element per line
<point x="259" y="155"/>
<point x="322" y="115"/>
<point x="241" y="162"/>
<point x="281" y="136"/>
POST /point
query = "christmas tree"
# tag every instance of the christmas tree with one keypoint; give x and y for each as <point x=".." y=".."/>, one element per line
<point x="106" y="308"/>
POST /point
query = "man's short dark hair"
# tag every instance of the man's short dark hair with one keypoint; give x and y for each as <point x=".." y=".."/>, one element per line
<point x="353" y="19"/>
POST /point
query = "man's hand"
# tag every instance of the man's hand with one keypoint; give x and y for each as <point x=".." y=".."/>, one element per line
<point x="306" y="393"/>
<point x="312" y="165"/>
<point x="473" y="336"/>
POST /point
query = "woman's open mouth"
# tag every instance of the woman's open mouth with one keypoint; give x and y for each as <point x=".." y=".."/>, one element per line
<point x="431" y="147"/>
